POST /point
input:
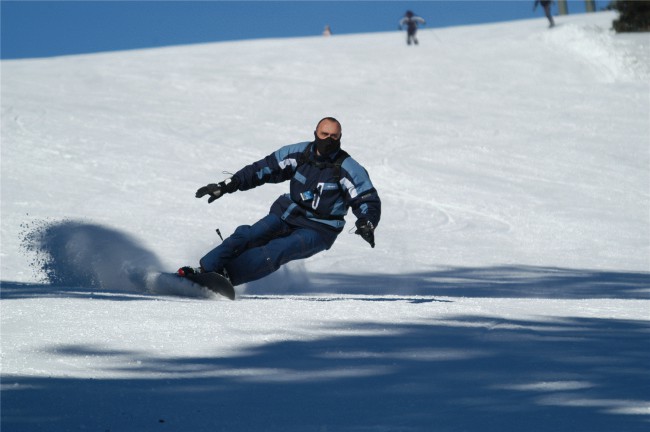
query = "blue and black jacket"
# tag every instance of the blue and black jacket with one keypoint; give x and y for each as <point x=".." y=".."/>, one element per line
<point x="321" y="190"/>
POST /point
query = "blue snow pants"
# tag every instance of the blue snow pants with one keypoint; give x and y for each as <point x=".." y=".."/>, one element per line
<point x="255" y="251"/>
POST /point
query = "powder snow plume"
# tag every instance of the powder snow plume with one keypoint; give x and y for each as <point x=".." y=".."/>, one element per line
<point x="78" y="254"/>
<point x="85" y="255"/>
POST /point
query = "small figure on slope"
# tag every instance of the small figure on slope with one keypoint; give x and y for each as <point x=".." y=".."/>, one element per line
<point x="411" y="21"/>
<point x="546" y="4"/>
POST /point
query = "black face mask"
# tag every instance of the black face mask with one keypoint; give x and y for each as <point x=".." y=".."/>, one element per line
<point x="327" y="146"/>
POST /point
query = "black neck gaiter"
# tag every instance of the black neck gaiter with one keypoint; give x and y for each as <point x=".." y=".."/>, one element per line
<point x="327" y="146"/>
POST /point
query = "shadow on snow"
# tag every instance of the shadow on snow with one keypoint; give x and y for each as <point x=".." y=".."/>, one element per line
<point x="83" y="257"/>
<point x="498" y="281"/>
<point x="486" y="282"/>
<point x="450" y="374"/>
<point x="453" y="374"/>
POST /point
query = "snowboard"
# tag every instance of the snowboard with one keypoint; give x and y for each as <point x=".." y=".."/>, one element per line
<point x="214" y="282"/>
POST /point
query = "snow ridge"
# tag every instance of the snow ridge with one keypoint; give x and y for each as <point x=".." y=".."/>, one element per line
<point x="611" y="56"/>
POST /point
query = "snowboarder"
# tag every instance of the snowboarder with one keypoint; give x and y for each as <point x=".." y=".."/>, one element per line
<point x="325" y="183"/>
<point x="546" y="4"/>
<point x="411" y="21"/>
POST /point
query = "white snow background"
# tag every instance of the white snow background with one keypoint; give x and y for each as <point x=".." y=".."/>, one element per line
<point x="509" y="289"/>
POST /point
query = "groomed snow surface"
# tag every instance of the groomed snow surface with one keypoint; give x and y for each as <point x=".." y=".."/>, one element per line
<point x="509" y="289"/>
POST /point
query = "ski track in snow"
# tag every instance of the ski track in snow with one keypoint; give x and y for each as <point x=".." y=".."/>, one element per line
<point x="510" y="285"/>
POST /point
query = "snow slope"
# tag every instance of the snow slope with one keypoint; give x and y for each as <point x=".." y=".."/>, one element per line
<point x="510" y="285"/>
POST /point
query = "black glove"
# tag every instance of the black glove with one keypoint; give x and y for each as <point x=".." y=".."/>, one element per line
<point x="366" y="230"/>
<point x="217" y="190"/>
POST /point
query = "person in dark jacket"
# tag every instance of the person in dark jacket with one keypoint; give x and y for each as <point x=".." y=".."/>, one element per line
<point x="411" y="21"/>
<point x="546" y="4"/>
<point x="324" y="183"/>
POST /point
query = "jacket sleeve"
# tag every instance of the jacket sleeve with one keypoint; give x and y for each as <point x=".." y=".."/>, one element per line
<point x="362" y="196"/>
<point x="277" y="167"/>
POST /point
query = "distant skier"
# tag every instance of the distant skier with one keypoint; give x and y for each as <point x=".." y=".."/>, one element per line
<point x="327" y="31"/>
<point x="325" y="183"/>
<point x="411" y="21"/>
<point x="546" y="4"/>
